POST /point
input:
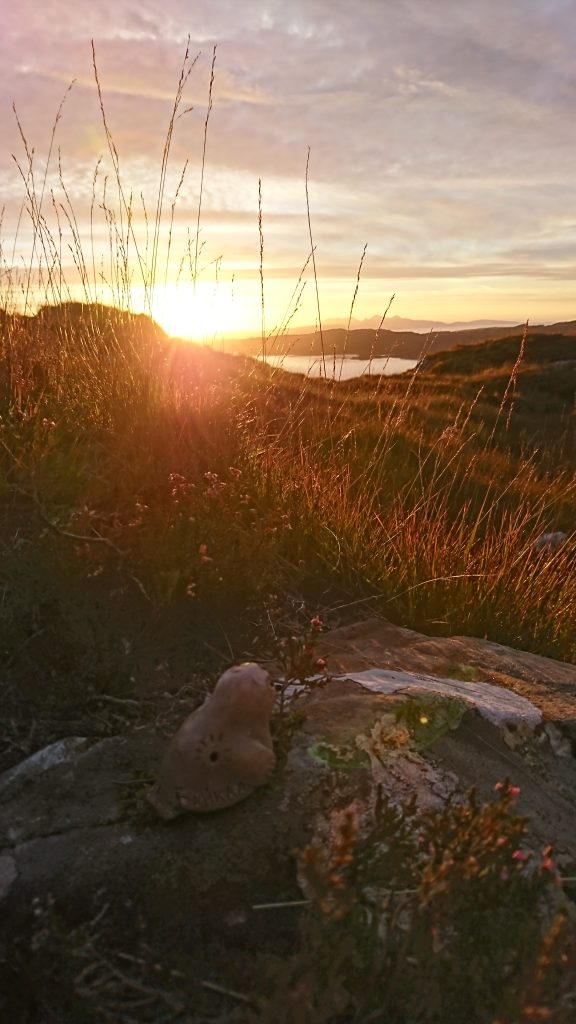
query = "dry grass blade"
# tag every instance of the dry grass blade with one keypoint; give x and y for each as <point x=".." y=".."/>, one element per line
<point x="261" y="236"/>
<point x="351" y="311"/>
<point x="313" y="254"/>
<point x="203" y="167"/>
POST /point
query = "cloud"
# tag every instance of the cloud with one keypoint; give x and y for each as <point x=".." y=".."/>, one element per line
<point x="440" y="134"/>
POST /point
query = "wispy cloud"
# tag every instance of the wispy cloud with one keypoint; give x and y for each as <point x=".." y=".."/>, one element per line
<point x="440" y="134"/>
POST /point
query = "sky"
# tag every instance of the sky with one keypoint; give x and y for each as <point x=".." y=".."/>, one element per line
<point x="440" y="135"/>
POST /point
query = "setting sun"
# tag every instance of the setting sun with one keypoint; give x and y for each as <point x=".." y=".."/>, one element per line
<point x="206" y="312"/>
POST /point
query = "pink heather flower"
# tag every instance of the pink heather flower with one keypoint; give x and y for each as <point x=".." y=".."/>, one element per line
<point x="510" y="791"/>
<point x="519" y="856"/>
<point x="202" y="551"/>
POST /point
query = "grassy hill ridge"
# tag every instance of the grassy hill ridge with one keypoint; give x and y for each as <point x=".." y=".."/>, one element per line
<point x="151" y="489"/>
<point x="543" y="349"/>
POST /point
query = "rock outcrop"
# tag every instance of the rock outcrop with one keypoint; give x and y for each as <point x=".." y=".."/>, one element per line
<point x="411" y="714"/>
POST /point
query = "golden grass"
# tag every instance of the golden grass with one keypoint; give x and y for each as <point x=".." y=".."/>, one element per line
<point x="421" y="495"/>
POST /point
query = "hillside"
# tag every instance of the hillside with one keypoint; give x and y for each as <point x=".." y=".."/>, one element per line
<point x="148" y="480"/>
<point x="543" y="349"/>
<point x="368" y="343"/>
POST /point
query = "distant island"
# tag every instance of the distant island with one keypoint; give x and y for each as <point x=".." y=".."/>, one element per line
<point x="369" y="342"/>
<point x="402" y="323"/>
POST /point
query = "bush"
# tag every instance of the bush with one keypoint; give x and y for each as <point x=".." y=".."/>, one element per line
<point x="428" y="917"/>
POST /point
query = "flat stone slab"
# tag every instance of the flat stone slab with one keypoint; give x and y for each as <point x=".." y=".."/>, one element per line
<point x="378" y="644"/>
<point x="498" y="705"/>
<point x="72" y="784"/>
<point x="34" y="767"/>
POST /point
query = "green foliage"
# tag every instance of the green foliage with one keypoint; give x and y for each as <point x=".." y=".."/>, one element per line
<point x="425" y="917"/>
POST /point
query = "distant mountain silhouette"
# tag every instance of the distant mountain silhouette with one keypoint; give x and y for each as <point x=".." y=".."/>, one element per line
<point x="401" y="323"/>
<point x="368" y="342"/>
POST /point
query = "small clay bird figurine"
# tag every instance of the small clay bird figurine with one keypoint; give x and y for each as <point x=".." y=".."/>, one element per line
<point x="223" y="751"/>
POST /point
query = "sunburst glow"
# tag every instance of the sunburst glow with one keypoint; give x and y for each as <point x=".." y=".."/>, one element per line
<point x="207" y="312"/>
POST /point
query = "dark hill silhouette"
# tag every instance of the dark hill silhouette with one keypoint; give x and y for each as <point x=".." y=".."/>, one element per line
<point x="369" y="343"/>
<point x="107" y="324"/>
<point x="544" y="378"/>
<point x="541" y="350"/>
<point x="73" y="325"/>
